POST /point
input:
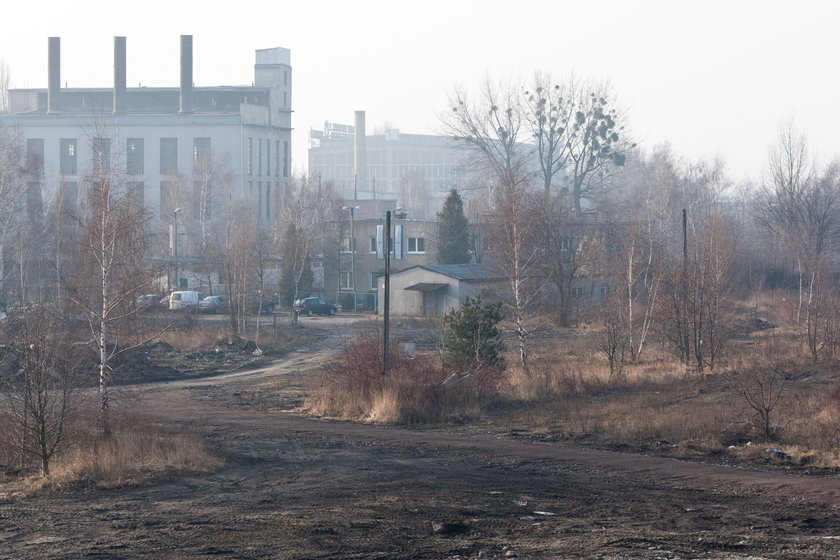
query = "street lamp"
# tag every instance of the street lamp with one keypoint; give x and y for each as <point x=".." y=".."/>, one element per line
<point x="352" y="244"/>
<point x="175" y="245"/>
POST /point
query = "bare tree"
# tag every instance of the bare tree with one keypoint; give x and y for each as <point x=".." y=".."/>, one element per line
<point x="237" y="240"/>
<point x="114" y="239"/>
<point x="493" y="127"/>
<point x="305" y="207"/>
<point x="800" y="206"/>
<point x="577" y="133"/>
<point x="761" y="382"/>
<point x="569" y="246"/>
<point x="39" y="378"/>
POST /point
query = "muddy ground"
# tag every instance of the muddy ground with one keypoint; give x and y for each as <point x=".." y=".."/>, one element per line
<point x="293" y="487"/>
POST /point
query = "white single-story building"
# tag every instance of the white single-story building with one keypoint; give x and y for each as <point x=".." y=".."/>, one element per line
<point x="436" y="289"/>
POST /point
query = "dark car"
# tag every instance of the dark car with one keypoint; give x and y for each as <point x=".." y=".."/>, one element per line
<point x="315" y="306"/>
<point x="213" y="304"/>
<point x="149" y="302"/>
<point x="254" y="303"/>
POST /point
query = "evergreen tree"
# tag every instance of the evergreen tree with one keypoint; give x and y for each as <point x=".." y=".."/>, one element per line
<point x="471" y="337"/>
<point x="453" y="233"/>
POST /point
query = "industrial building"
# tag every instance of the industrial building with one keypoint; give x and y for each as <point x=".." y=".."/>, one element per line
<point x="181" y="147"/>
<point x="417" y="170"/>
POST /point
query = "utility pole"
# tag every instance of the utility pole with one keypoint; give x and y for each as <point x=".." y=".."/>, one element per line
<point x="387" y="294"/>
<point x="175" y="246"/>
<point x="685" y="285"/>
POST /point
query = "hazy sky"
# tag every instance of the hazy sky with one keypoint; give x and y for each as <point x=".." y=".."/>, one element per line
<point x="713" y="78"/>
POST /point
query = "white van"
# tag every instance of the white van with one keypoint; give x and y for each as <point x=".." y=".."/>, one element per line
<point x="185" y="299"/>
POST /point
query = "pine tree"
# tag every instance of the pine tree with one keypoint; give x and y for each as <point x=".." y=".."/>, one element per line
<point x="453" y="233"/>
<point x="471" y="336"/>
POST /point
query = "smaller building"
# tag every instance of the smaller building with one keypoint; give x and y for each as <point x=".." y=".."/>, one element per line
<point x="435" y="289"/>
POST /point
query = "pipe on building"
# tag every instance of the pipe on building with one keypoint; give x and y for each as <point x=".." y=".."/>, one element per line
<point x="119" y="75"/>
<point x="186" y="75"/>
<point x="54" y="80"/>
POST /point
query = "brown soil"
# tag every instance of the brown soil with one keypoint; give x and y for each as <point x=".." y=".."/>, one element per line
<point x="294" y="487"/>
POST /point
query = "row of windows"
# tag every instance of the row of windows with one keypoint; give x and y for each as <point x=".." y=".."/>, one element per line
<point x="260" y="193"/>
<point x="416" y="245"/>
<point x="101" y="155"/>
<point x="263" y="154"/>
<point x="345" y="280"/>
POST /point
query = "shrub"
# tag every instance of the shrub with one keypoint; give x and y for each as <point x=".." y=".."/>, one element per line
<point x="471" y="336"/>
<point x="414" y="391"/>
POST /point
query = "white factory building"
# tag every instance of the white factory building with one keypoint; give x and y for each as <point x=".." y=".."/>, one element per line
<point x="167" y="143"/>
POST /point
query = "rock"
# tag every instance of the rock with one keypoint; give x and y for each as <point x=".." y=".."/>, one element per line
<point x="449" y="528"/>
<point x="778" y="454"/>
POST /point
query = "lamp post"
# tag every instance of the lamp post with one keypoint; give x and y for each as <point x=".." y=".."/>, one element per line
<point x="175" y="245"/>
<point x="352" y="245"/>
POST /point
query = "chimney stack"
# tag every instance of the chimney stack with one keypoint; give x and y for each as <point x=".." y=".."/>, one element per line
<point x="119" y="75"/>
<point x="186" y="75"/>
<point x="360" y="158"/>
<point x="54" y="80"/>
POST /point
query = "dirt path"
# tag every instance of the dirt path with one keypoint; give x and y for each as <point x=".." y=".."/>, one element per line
<point x="300" y="488"/>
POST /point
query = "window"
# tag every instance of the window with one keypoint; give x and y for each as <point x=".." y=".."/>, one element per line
<point x="373" y="245"/>
<point x="285" y="158"/>
<point x="374" y="281"/>
<point x="346" y="245"/>
<point x="268" y="157"/>
<point x="136" y="193"/>
<point x="250" y="156"/>
<point x="268" y="201"/>
<point x="277" y="158"/>
<point x="165" y="203"/>
<point x="259" y="156"/>
<point x="201" y="155"/>
<point x="35" y="156"/>
<point x="69" y="197"/>
<point x="101" y="155"/>
<point x="577" y="292"/>
<point x="346" y="280"/>
<point x="34" y="199"/>
<point x="134" y="156"/>
<point x="168" y="155"/>
<point x="67" y="157"/>
<point x="417" y="245"/>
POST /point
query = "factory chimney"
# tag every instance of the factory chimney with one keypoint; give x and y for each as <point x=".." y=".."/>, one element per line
<point x="119" y="75"/>
<point x="54" y="80"/>
<point x="186" y="75"/>
<point x="360" y="158"/>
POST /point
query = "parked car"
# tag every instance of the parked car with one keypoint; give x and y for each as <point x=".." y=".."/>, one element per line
<point x="213" y="304"/>
<point x="164" y="303"/>
<point x="258" y="303"/>
<point x="314" y="306"/>
<point x="149" y="302"/>
<point x="183" y="300"/>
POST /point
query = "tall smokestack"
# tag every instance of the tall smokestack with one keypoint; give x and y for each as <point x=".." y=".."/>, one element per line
<point x="360" y="159"/>
<point x="54" y="81"/>
<point x="119" y="75"/>
<point x="186" y="75"/>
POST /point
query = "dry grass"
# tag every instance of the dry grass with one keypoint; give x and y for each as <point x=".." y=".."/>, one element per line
<point x="412" y="391"/>
<point x="136" y="452"/>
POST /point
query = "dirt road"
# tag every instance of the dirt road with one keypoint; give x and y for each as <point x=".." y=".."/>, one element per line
<point x="299" y="488"/>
